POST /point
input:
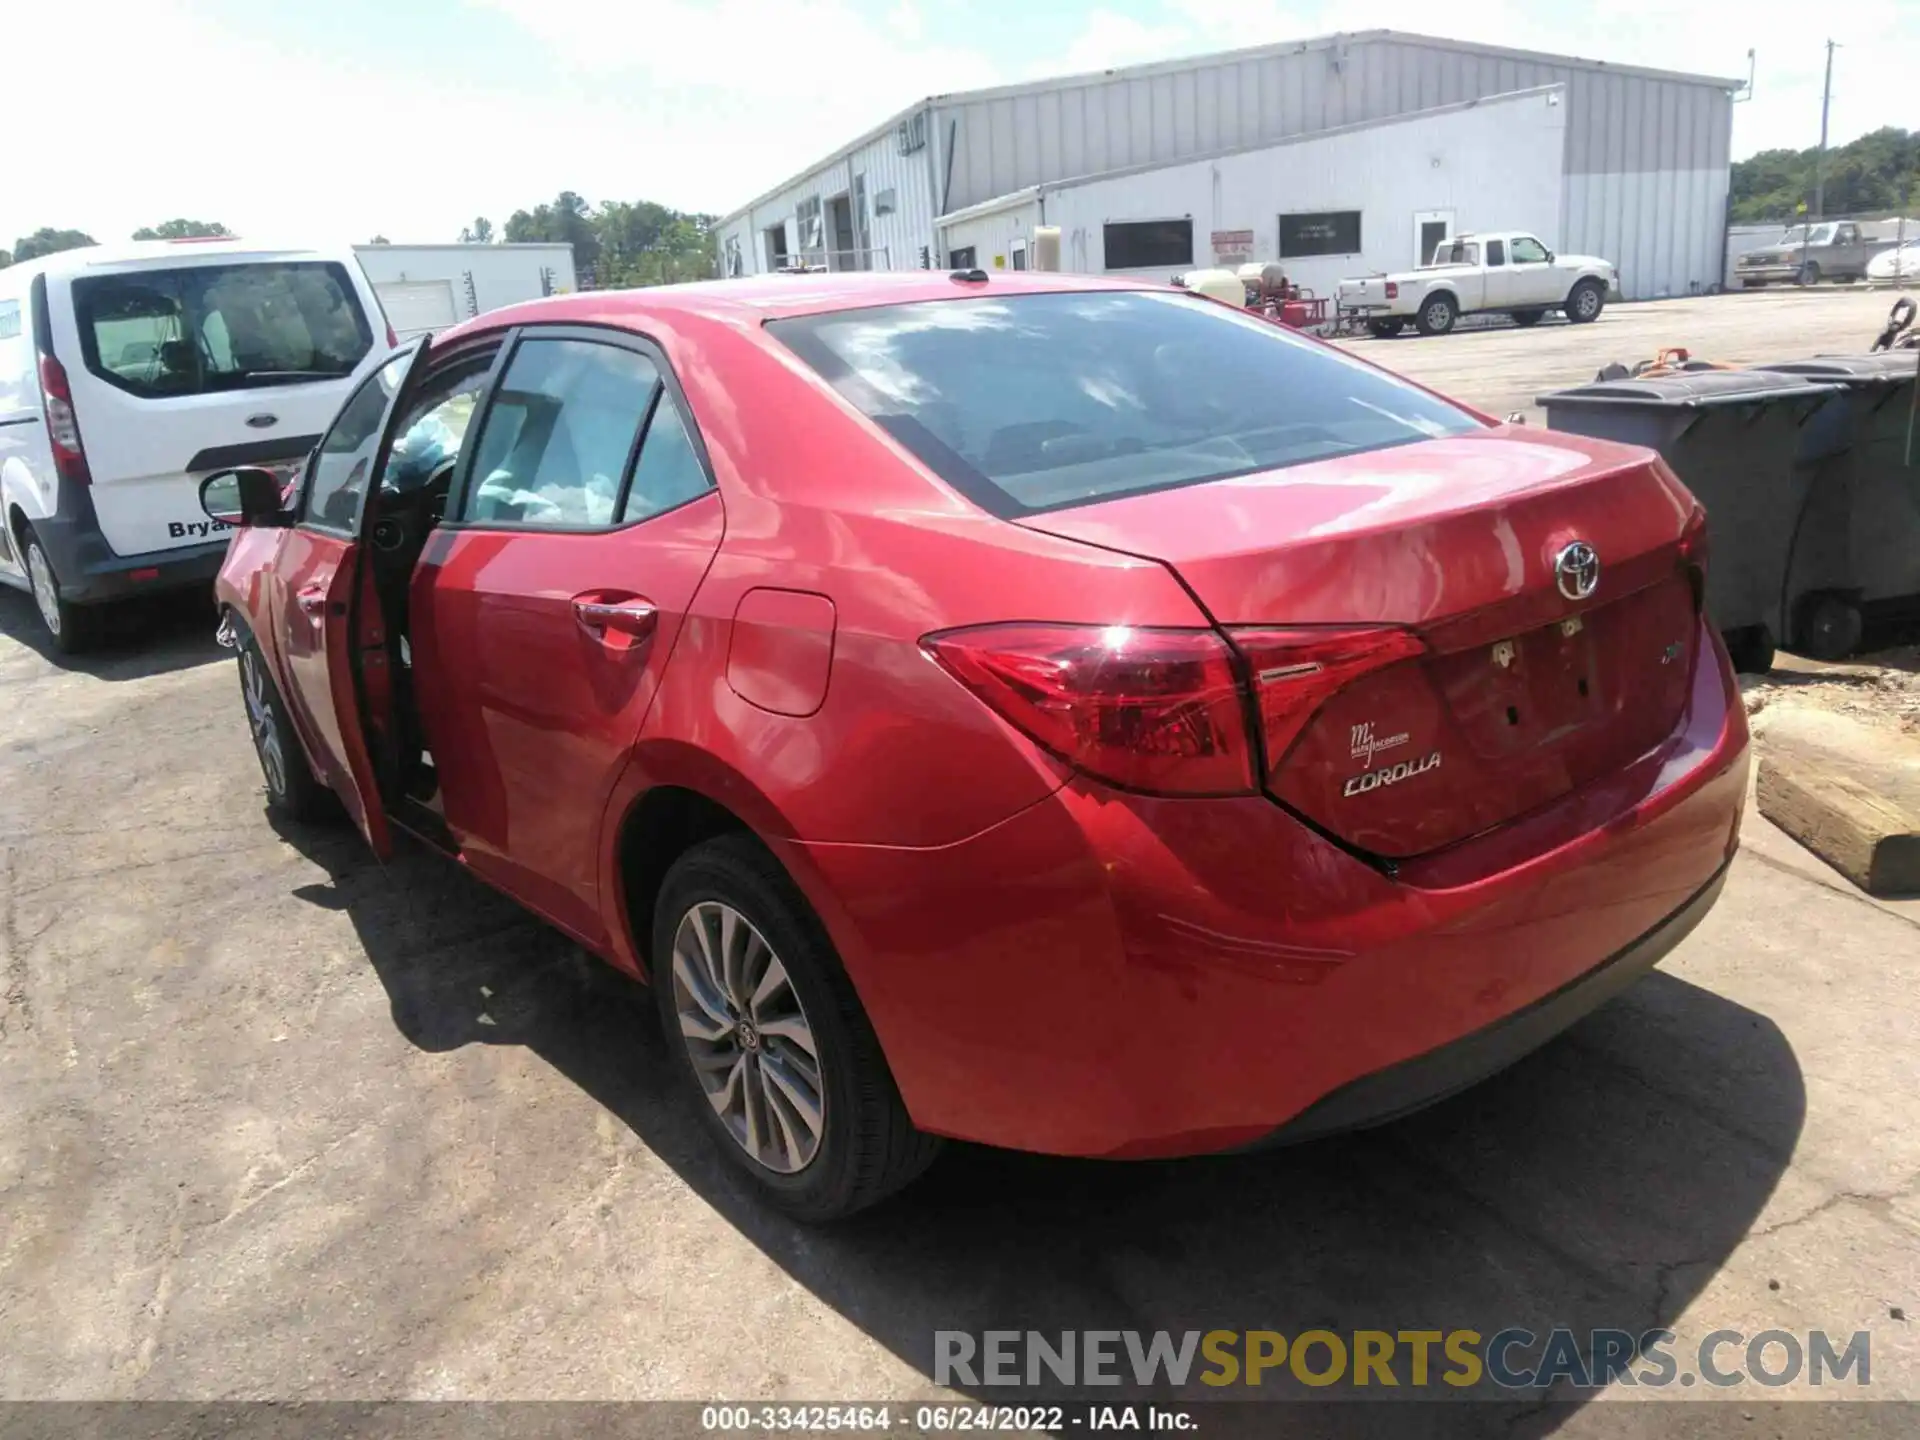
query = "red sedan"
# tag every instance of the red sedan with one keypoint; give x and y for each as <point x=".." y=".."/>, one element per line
<point x="1049" y="712"/>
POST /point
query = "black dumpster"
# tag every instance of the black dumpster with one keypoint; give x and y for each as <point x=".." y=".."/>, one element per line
<point x="1869" y="506"/>
<point x="1737" y="439"/>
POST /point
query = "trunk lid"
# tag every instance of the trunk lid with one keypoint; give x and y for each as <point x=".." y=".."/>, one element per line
<point x="1522" y="693"/>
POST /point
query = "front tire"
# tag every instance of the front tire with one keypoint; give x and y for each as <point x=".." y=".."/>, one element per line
<point x="1809" y="274"/>
<point x="1586" y="302"/>
<point x="72" y="628"/>
<point x="778" y="1058"/>
<point x="1437" y="314"/>
<point x="292" y="791"/>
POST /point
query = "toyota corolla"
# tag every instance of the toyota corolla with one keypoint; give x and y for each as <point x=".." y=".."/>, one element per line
<point x="1056" y="713"/>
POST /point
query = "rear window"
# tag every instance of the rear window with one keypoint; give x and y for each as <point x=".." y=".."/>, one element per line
<point x="1036" y="402"/>
<point x="208" y="328"/>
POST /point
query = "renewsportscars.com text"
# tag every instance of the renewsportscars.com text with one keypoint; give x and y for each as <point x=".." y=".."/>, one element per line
<point x="1513" y="1358"/>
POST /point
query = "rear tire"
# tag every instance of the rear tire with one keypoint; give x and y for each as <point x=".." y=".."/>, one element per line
<point x="1437" y="314"/>
<point x="1524" y="318"/>
<point x="1385" y="329"/>
<point x="1585" y="302"/>
<point x="293" y="792"/>
<point x="740" y="1073"/>
<point x="72" y="628"/>
<point x="1828" y="627"/>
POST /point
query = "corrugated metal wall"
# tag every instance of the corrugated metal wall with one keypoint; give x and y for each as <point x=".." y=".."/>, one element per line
<point x="1653" y="152"/>
<point x="894" y="238"/>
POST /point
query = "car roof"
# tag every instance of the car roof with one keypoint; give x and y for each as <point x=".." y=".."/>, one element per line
<point x="758" y="298"/>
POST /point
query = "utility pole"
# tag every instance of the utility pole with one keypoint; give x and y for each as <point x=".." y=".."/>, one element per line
<point x="1820" y="161"/>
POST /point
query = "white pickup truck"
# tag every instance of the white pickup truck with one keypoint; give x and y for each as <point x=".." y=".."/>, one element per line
<point x="1508" y="271"/>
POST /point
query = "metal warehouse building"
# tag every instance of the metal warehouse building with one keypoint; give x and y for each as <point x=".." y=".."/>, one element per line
<point x="1334" y="156"/>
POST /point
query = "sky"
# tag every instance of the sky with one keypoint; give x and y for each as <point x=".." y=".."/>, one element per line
<point x="337" y="120"/>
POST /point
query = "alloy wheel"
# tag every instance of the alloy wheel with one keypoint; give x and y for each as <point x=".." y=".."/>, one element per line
<point x="1588" y="303"/>
<point x="748" y="1036"/>
<point x="46" y="593"/>
<point x="260" y="719"/>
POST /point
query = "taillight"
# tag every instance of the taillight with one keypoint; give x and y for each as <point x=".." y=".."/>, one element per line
<point x="1154" y="710"/>
<point x="69" y="456"/>
<point x="1296" y="670"/>
<point x="1393" y="290"/>
<point x="1693" y="555"/>
<point x="393" y="339"/>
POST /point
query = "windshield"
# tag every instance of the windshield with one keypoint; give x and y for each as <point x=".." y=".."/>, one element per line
<point x="1798" y="235"/>
<point x="1034" y="402"/>
<point x="221" y="327"/>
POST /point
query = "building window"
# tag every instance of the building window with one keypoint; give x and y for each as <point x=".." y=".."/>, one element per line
<point x="1019" y="254"/>
<point x="1331" y="232"/>
<point x="1139" y="244"/>
<point x="962" y="259"/>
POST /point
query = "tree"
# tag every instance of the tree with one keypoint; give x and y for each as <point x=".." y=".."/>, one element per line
<point x="567" y="220"/>
<point x="478" y="233"/>
<point x="624" y="242"/>
<point x="183" y="230"/>
<point x="6" y="258"/>
<point x="48" y="241"/>
<point x="1875" y="172"/>
<point x="379" y="240"/>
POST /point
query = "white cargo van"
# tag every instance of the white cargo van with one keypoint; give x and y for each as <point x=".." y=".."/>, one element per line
<point x="127" y="373"/>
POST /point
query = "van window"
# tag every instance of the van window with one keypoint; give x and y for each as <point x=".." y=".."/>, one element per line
<point x="1031" y="402"/>
<point x="210" y="328"/>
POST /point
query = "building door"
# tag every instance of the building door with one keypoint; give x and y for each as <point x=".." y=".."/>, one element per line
<point x="843" y="251"/>
<point x="1430" y="227"/>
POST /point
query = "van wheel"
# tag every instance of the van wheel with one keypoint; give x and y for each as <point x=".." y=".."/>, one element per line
<point x="292" y="791"/>
<point x="1586" y="302"/>
<point x="1437" y="314"/>
<point x="775" y="1053"/>
<point x="1829" y="627"/>
<point x="72" y="628"/>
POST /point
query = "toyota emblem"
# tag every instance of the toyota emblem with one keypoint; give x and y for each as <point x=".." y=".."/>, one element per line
<point x="1576" y="570"/>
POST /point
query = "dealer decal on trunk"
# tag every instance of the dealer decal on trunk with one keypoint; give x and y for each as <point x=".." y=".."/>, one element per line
<point x="1390" y="775"/>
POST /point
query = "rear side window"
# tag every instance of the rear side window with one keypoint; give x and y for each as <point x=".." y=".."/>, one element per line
<point x="209" y="328"/>
<point x="558" y="434"/>
<point x="668" y="472"/>
<point x="1035" y="402"/>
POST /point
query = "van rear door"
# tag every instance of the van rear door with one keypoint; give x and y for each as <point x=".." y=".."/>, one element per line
<point x="182" y="366"/>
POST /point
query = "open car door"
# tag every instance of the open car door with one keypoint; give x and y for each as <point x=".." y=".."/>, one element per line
<point x="326" y="617"/>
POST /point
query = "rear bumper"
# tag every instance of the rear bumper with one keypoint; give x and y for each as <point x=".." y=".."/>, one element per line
<point x="1112" y="975"/>
<point x="91" y="573"/>
<point x="1430" y="1078"/>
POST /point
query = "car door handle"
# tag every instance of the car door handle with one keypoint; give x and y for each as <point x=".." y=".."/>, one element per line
<point x="314" y="602"/>
<point x="601" y="617"/>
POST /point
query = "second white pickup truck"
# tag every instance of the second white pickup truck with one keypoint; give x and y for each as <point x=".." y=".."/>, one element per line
<point x="1509" y="271"/>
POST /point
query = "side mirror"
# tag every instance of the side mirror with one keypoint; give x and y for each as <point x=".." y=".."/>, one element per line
<point x="1549" y="257"/>
<point x="245" y="496"/>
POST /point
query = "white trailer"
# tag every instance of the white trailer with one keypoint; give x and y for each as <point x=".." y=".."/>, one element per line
<point x="427" y="288"/>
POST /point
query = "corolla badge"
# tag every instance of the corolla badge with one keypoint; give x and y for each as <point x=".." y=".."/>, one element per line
<point x="1576" y="570"/>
